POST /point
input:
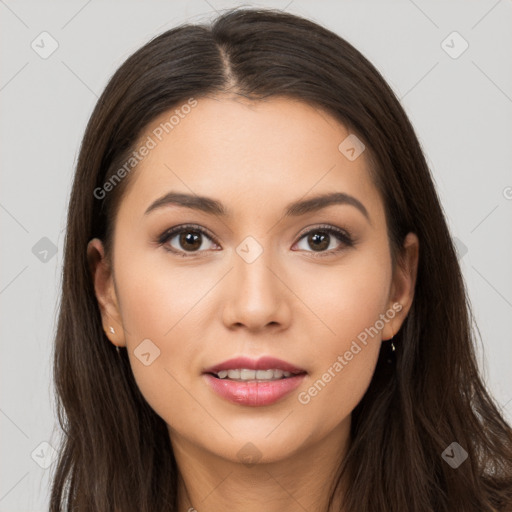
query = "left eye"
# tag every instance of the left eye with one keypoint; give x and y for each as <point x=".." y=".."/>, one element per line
<point x="322" y="239"/>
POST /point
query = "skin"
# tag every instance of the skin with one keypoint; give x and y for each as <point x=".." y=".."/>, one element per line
<point x="256" y="158"/>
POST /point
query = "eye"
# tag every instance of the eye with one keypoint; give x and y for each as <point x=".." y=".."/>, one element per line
<point x="185" y="239"/>
<point x="193" y="239"/>
<point x="321" y="239"/>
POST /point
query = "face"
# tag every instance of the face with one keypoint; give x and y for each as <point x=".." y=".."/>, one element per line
<point x="311" y="287"/>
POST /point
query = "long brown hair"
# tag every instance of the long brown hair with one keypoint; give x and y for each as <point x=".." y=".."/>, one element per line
<point x="116" y="453"/>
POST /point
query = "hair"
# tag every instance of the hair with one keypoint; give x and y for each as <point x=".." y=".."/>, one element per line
<point x="116" y="453"/>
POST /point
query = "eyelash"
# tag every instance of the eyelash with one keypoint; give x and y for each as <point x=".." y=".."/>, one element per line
<point x="342" y="235"/>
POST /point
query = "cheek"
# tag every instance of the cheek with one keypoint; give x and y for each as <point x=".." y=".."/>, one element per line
<point x="156" y="295"/>
<point x="349" y="303"/>
<point x="347" y="298"/>
<point x="333" y="392"/>
<point x="165" y="303"/>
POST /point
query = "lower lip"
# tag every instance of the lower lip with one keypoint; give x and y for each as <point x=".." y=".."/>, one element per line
<point x="252" y="393"/>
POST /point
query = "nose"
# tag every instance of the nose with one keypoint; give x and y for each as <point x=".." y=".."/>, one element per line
<point x="256" y="296"/>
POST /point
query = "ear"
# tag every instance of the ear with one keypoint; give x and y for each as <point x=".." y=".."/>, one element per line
<point x="403" y="284"/>
<point x="102" y="276"/>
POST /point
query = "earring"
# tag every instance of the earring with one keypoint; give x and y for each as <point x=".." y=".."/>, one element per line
<point x="391" y="354"/>
<point x="112" y="330"/>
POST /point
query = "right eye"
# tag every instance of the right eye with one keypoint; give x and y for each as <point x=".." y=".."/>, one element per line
<point x="185" y="239"/>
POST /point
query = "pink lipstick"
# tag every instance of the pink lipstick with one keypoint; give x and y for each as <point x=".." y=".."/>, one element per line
<point x="255" y="383"/>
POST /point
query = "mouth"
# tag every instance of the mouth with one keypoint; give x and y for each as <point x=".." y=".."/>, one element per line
<point x="255" y="383"/>
<point x="243" y="369"/>
<point x="248" y="375"/>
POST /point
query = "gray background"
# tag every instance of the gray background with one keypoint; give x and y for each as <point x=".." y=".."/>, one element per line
<point x="460" y="108"/>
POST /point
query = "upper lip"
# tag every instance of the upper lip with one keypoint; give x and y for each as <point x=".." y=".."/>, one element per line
<point x="263" y="363"/>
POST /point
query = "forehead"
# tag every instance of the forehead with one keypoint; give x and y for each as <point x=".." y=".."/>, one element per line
<point x="254" y="156"/>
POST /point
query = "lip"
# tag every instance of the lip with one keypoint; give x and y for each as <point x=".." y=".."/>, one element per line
<point x="263" y="363"/>
<point x="253" y="393"/>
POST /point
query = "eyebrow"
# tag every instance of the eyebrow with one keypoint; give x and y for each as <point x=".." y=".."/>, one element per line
<point x="295" y="209"/>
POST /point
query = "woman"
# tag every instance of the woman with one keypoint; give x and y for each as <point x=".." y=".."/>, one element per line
<point x="262" y="307"/>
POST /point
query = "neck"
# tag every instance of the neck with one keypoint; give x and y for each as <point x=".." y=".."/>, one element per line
<point x="209" y="482"/>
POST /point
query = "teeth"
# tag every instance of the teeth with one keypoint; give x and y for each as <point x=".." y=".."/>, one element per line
<point x="234" y="374"/>
<point x="245" y="374"/>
